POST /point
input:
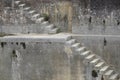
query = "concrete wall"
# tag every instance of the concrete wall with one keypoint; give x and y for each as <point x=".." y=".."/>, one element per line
<point x="97" y="30"/>
<point x="108" y="47"/>
<point x="107" y="23"/>
<point x="97" y="26"/>
<point x="38" y="60"/>
<point x="28" y="28"/>
<point x="96" y="17"/>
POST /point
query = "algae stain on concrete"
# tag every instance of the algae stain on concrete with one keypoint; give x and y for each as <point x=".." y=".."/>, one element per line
<point x="16" y="61"/>
<point x="68" y="51"/>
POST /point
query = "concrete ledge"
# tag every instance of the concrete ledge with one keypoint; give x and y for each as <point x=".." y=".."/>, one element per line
<point x="35" y="38"/>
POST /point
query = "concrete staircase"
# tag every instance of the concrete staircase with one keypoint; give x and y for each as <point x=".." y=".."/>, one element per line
<point x="36" y="17"/>
<point x="96" y="61"/>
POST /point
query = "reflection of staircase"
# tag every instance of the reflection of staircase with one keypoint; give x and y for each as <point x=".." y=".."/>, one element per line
<point x="34" y="16"/>
<point x="97" y="62"/>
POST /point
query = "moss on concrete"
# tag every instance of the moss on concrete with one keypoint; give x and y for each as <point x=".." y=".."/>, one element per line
<point x="4" y="34"/>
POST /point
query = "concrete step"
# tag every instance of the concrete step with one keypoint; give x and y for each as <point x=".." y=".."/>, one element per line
<point x="40" y="20"/>
<point x="81" y="49"/>
<point x="35" y="15"/>
<point x="21" y="5"/>
<point x="114" y="76"/>
<point x="95" y="61"/>
<point x="86" y="53"/>
<point x="99" y="65"/>
<point x="71" y="42"/>
<point x="109" y="73"/>
<point x="51" y="26"/>
<point x="76" y="46"/>
<point x="27" y="8"/>
<point x="54" y="31"/>
<point x="69" y="38"/>
<point x="90" y="57"/>
<point x="45" y="23"/>
<point x="31" y="12"/>
<point x="104" y="69"/>
<point x="17" y="2"/>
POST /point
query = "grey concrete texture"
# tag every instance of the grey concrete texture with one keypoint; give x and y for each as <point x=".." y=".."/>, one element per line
<point x="105" y="46"/>
<point x="52" y="59"/>
<point x="35" y="38"/>
<point x="35" y="60"/>
<point x="25" y="28"/>
<point x="92" y="23"/>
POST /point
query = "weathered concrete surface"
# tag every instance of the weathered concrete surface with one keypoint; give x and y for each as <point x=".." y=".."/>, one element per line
<point x="97" y="24"/>
<point x="25" y="28"/>
<point x="106" y="46"/>
<point x="99" y="30"/>
<point x="95" y="29"/>
<point x="35" y="38"/>
<point x="96" y="17"/>
<point x="36" y="57"/>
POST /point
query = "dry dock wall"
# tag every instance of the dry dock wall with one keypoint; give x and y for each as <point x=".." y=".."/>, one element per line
<point x="106" y="46"/>
<point x="38" y="58"/>
<point x="48" y="57"/>
<point x="34" y="61"/>
<point x="97" y="24"/>
<point x="25" y="28"/>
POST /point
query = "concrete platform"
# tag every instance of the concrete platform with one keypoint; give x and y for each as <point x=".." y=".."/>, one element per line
<point x="35" y="38"/>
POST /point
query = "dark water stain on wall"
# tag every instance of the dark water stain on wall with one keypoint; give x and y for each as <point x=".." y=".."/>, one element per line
<point x="108" y="4"/>
<point x="7" y="3"/>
